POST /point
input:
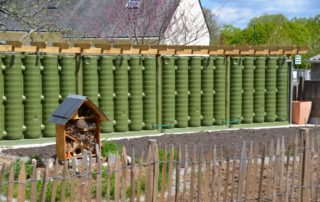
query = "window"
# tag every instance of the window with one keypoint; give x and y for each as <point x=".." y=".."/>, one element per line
<point x="134" y="4"/>
<point x="52" y="5"/>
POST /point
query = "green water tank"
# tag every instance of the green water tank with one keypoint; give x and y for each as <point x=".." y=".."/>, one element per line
<point x="50" y="91"/>
<point x="247" y="85"/>
<point x="168" y="92"/>
<point x="106" y="89"/>
<point x="220" y="91"/>
<point x="135" y="90"/>
<point x="150" y="92"/>
<point x="182" y="65"/>
<point x="207" y="91"/>
<point x="1" y="100"/>
<point x="32" y="92"/>
<point x="90" y="78"/>
<point x="67" y="75"/>
<point x="121" y="113"/>
<point x="259" y="89"/>
<point x="195" y="91"/>
<point x="271" y="89"/>
<point x="236" y="91"/>
<point x="283" y="89"/>
<point x="13" y="90"/>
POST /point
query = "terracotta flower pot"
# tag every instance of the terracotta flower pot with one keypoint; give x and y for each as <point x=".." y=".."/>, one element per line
<point x="301" y="111"/>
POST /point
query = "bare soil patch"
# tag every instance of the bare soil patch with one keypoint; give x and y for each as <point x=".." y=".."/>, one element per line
<point x="203" y="140"/>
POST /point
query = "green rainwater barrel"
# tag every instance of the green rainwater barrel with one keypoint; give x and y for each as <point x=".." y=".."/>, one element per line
<point x="106" y="91"/>
<point x="13" y="90"/>
<point x="121" y="90"/>
<point x="247" y="85"/>
<point x="282" y="86"/>
<point x="135" y="89"/>
<point x="236" y="91"/>
<point x="207" y="91"/>
<point x="182" y="65"/>
<point x="50" y="91"/>
<point x="90" y="78"/>
<point x="1" y="100"/>
<point x="259" y="90"/>
<point x="67" y="75"/>
<point x="150" y="92"/>
<point x="220" y="91"/>
<point x="271" y="89"/>
<point x="168" y="92"/>
<point x="195" y="91"/>
<point x="32" y="91"/>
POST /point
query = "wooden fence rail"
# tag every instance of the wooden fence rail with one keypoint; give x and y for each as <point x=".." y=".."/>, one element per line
<point x="288" y="170"/>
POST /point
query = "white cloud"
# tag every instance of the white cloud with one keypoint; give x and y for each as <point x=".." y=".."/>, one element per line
<point x="239" y="12"/>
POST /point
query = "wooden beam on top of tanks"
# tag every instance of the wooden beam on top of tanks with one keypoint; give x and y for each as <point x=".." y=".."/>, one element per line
<point x="71" y="50"/>
<point x="105" y="48"/>
<point x="53" y="50"/>
<point x="5" y="48"/>
<point x="92" y="51"/>
<point x="14" y="43"/>
<point x="26" y="49"/>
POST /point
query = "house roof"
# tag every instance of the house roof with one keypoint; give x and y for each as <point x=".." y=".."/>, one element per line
<point x="69" y="107"/>
<point x="314" y="59"/>
<point x="110" y="18"/>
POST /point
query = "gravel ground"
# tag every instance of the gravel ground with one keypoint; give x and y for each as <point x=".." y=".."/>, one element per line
<point x="201" y="139"/>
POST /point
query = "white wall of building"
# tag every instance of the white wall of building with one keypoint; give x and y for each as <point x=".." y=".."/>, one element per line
<point x="188" y="25"/>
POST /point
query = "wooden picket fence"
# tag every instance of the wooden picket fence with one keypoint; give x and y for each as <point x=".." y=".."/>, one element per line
<point x="278" y="171"/>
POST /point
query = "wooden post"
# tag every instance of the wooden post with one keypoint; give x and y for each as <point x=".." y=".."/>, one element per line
<point x="214" y="173"/>
<point x="108" y="186"/>
<point x="3" y="170"/>
<point x="124" y="174"/>
<point x="132" y="178"/>
<point x="22" y="184"/>
<point x="200" y="162"/>
<point x="242" y="171"/>
<point x="178" y="167"/>
<point x="55" y="181"/>
<point x="99" y="174"/>
<point x="185" y="174"/>
<point x="11" y="184"/>
<point x="305" y="182"/>
<point x="139" y="177"/>
<point x="64" y="181"/>
<point x="261" y="172"/>
<point x="163" y="174"/>
<point x="192" y="182"/>
<point x="226" y="185"/>
<point x="159" y="91"/>
<point x="207" y="175"/>
<point x="234" y="167"/>
<point x="249" y="172"/>
<point x="155" y="170"/>
<point x="44" y="184"/>
<point x="117" y="180"/>
<point x="170" y="170"/>
<point x="228" y="66"/>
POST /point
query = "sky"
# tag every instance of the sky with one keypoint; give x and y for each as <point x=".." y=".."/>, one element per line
<point x="239" y="12"/>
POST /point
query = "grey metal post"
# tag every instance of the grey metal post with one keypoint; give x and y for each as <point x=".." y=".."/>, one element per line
<point x="291" y="89"/>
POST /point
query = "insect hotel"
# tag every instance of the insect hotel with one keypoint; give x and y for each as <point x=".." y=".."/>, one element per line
<point x="77" y="122"/>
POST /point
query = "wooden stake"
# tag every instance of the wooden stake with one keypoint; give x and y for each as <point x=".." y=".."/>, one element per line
<point x="192" y="182"/>
<point x="22" y="184"/>
<point x="163" y="174"/>
<point x="64" y="181"/>
<point x="55" y="181"/>
<point x="261" y="172"/>
<point x="242" y="171"/>
<point x="178" y="167"/>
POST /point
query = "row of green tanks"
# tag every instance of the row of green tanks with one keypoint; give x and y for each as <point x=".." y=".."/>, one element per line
<point x="191" y="90"/>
